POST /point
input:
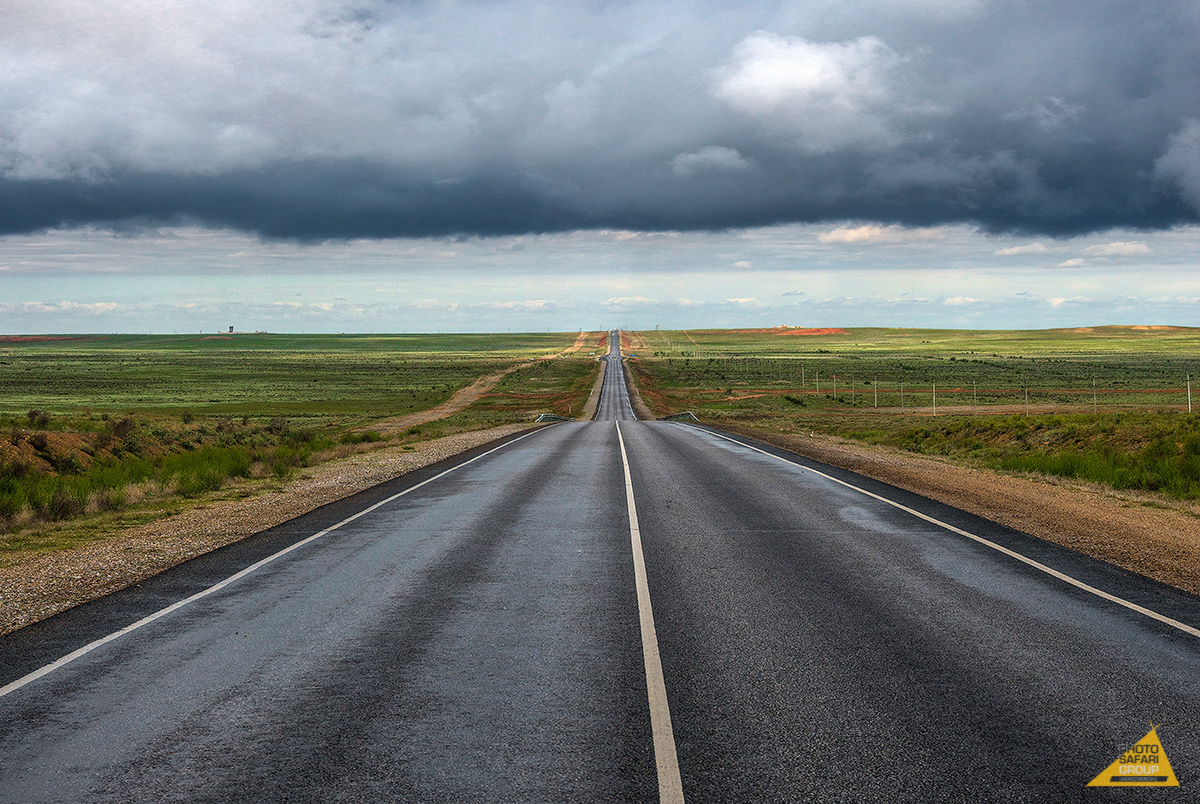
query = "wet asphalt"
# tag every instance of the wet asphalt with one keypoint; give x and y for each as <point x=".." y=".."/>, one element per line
<point x="477" y="640"/>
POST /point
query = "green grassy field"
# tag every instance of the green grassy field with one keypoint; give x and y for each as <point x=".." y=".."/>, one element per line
<point x="348" y="377"/>
<point x="1108" y="404"/>
<point x="96" y="425"/>
<point x="1059" y="369"/>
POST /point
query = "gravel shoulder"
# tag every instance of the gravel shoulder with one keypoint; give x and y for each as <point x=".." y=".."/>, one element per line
<point x="1152" y="536"/>
<point x="42" y="585"/>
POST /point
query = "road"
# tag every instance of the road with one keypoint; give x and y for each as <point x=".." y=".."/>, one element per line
<point x="483" y="633"/>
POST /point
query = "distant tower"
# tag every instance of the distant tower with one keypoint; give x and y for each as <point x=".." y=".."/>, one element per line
<point x="231" y="330"/>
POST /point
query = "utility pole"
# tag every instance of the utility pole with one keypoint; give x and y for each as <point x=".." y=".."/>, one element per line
<point x="876" y="393"/>
<point x="1093" y="396"/>
<point x="935" y="399"/>
<point x="1189" y="384"/>
<point x="902" y="396"/>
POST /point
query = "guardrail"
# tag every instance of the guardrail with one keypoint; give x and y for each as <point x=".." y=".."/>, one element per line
<point x="686" y="416"/>
<point x="552" y="417"/>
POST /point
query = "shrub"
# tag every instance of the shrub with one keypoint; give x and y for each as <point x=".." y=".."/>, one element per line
<point x="367" y="437"/>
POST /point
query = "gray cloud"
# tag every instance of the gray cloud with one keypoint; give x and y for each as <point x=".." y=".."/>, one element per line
<point x="328" y="119"/>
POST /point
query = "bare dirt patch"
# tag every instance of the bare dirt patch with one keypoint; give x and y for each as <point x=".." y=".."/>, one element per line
<point x="791" y="331"/>
<point x="589" y="410"/>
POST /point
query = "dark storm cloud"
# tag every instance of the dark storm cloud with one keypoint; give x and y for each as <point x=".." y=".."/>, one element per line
<point x="319" y="119"/>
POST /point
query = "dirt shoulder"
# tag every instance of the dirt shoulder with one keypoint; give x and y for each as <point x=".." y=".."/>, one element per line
<point x="42" y="585"/>
<point x="640" y="408"/>
<point x="1157" y="538"/>
<point x="589" y="410"/>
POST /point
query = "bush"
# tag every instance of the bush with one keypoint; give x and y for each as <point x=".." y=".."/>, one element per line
<point x="367" y="437"/>
<point x="12" y="498"/>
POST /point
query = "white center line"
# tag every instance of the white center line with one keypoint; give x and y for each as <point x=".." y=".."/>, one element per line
<point x="670" y="786"/>
<point x="1120" y="601"/>
<point x="12" y="686"/>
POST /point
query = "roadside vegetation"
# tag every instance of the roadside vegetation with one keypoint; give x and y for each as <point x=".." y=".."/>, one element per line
<point x="92" y="428"/>
<point x="1106" y="404"/>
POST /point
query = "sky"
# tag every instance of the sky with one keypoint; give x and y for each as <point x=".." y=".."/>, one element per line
<point x="412" y="165"/>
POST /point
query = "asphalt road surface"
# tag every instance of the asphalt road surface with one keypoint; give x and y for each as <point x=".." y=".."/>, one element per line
<point x="611" y="611"/>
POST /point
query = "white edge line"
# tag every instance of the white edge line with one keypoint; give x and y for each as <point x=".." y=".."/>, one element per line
<point x="12" y="686"/>
<point x="670" y="785"/>
<point x="1120" y="601"/>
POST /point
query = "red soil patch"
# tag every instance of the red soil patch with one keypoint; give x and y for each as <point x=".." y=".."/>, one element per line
<point x="39" y="338"/>
<point x="790" y="331"/>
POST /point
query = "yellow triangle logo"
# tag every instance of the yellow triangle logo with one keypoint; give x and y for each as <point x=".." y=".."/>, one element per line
<point x="1145" y="764"/>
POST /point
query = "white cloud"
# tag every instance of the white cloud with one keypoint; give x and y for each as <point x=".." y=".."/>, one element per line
<point x="627" y="301"/>
<point x="524" y="304"/>
<point x="958" y="301"/>
<point x="1072" y="263"/>
<point x="1029" y="248"/>
<point x="58" y="308"/>
<point x="827" y="94"/>
<point x="1127" y="248"/>
<point x="874" y="233"/>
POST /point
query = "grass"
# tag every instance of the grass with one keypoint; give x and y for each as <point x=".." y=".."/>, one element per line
<point x="1105" y="404"/>
<point x="107" y="426"/>
<point x="363" y="376"/>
